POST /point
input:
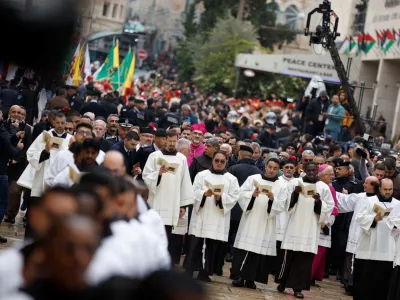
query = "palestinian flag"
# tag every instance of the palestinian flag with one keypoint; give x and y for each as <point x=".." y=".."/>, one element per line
<point x="380" y="39"/>
<point x="347" y="46"/>
<point x="369" y="43"/>
<point x="389" y="41"/>
<point x="396" y="35"/>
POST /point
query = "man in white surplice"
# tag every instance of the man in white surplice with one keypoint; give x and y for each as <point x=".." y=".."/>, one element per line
<point x="170" y="191"/>
<point x="354" y="203"/>
<point x="301" y="238"/>
<point x="373" y="264"/>
<point x="66" y="157"/>
<point x="41" y="155"/>
<point x="255" y="243"/>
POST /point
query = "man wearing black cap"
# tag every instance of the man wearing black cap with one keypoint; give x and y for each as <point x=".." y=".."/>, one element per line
<point x="145" y="147"/>
<point x="92" y="104"/>
<point x="126" y="108"/>
<point x="160" y="139"/>
<point x="340" y="229"/>
<point x="137" y="113"/>
<point x="268" y="138"/>
<point x="244" y="168"/>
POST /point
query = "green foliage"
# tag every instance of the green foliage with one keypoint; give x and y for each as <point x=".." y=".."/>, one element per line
<point x="185" y="58"/>
<point x="214" y="59"/>
<point x="189" y="25"/>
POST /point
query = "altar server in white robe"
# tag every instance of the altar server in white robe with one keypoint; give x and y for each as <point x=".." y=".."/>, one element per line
<point x="307" y="213"/>
<point x="84" y="159"/>
<point x="288" y="166"/>
<point x="209" y="225"/>
<point x="393" y="222"/>
<point x="66" y="157"/>
<point x="354" y="203"/>
<point x="170" y="191"/>
<point x="262" y="198"/>
<point x="41" y="155"/>
<point x="376" y="251"/>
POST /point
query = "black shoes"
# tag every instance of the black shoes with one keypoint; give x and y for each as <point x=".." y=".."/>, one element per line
<point x="203" y="276"/>
<point x="240" y="282"/>
<point x="3" y="240"/>
<point x="229" y="258"/>
<point x="280" y="288"/>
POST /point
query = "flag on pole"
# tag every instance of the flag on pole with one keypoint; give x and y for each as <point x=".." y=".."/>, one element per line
<point x="77" y="68"/>
<point x="108" y="70"/>
<point x="345" y="46"/>
<point x="348" y="46"/>
<point x="129" y="76"/>
<point x="369" y="43"/>
<point x="390" y="41"/>
<point x="123" y="71"/>
<point x="97" y="72"/>
<point x="116" y="56"/>
<point x="380" y="39"/>
<point x="71" y="68"/>
<point x="86" y="68"/>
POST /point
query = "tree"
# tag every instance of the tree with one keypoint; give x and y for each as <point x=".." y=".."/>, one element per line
<point x="189" y="25"/>
<point x="214" y="59"/>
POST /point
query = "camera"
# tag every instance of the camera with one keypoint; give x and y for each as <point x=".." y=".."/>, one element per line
<point x="21" y="124"/>
<point x="365" y="142"/>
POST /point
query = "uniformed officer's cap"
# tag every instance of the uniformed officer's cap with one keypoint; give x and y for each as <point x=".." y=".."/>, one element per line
<point x="125" y="123"/>
<point x="139" y="101"/>
<point x="341" y="163"/>
<point x="93" y="93"/>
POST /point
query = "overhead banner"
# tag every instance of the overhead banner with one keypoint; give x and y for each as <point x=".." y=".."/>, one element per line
<point x="294" y="65"/>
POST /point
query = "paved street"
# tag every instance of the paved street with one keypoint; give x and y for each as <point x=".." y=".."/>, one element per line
<point x="220" y="288"/>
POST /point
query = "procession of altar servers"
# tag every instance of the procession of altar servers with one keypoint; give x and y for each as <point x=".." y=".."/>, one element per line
<point x="284" y="230"/>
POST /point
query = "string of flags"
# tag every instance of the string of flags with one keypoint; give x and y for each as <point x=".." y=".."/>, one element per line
<point x="385" y="41"/>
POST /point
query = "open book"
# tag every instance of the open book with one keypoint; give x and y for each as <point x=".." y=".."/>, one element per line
<point x="56" y="142"/>
<point x="379" y="210"/>
<point x="308" y="190"/>
<point x="262" y="187"/>
<point x="171" y="167"/>
<point x="217" y="189"/>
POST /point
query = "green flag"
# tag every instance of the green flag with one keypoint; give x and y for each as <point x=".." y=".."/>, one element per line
<point x="108" y="69"/>
<point x="120" y="76"/>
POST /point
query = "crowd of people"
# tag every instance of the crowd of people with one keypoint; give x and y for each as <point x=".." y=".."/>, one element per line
<point x="117" y="188"/>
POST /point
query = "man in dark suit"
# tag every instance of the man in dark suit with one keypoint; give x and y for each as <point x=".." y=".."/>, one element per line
<point x="128" y="149"/>
<point x="137" y="113"/>
<point x="93" y="106"/>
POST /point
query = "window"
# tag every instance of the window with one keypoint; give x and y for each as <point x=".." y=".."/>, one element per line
<point x="114" y="12"/>
<point x="121" y="12"/>
<point x="106" y="7"/>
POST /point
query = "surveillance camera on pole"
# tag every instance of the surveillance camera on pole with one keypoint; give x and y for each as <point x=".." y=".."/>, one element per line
<point x="326" y="37"/>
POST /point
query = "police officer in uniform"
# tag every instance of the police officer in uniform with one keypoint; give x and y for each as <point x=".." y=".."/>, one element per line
<point x="124" y="126"/>
<point x="126" y="108"/>
<point x="137" y="113"/>
<point x="340" y="229"/>
<point x="143" y="151"/>
<point x="170" y="118"/>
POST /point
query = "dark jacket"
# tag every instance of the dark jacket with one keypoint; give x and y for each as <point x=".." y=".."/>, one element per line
<point x="243" y="133"/>
<point x="242" y="170"/>
<point x="138" y="117"/>
<point x="15" y="170"/>
<point x="268" y="140"/>
<point x="8" y="98"/>
<point x="199" y="163"/>
<point x="95" y="108"/>
<point x="128" y="155"/>
<point x="142" y="155"/>
<point x="7" y="151"/>
<point x="110" y="108"/>
<point x="314" y="109"/>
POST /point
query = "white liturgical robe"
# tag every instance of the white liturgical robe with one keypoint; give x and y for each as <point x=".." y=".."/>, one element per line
<point x="303" y="229"/>
<point x="352" y="203"/>
<point x="173" y="191"/>
<point x="325" y="240"/>
<point x="393" y="222"/>
<point x="64" y="177"/>
<point x="211" y="221"/>
<point x="375" y="243"/>
<point x="61" y="161"/>
<point x="33" y="157"/>
<point x="133" y="250"/>
<point x="283" y="217"/>
<point x="257" y="228"/>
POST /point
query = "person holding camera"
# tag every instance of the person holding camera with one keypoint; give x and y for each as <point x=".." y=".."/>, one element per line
<point x="7" y="152"/>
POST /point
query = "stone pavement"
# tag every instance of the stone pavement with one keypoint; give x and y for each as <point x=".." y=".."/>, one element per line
<point x="221" y="287"/>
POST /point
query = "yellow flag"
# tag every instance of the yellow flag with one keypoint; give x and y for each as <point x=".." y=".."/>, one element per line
<point x="116" y="56"/>
<point x="77" y="68"/>
<point x="129" y="77"/>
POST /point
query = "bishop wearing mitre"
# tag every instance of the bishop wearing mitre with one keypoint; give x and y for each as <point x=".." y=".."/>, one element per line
<point x="167" y="177"/>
